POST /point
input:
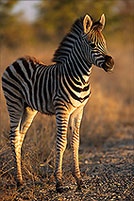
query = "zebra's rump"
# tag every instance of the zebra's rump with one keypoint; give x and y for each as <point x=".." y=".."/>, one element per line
<point x="25" y="81"/>
<point x="23" y="67"/>
<point x="17" y="76"/>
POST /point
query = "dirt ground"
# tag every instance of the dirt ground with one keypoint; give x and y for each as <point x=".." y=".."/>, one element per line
<point x="107" y="170"/>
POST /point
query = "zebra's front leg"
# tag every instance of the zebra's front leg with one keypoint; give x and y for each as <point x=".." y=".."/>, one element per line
<point x="62" y="117"/>
<point x="75" y="121"/>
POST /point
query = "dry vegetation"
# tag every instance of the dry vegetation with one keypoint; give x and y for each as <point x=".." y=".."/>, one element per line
<point x="106" y="145"/>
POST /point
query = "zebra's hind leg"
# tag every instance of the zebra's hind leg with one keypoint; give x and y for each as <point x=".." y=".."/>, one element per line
<point x="26" y="120"/>
<point x="75" y="121"/>
<point x="16" y="138"/>
<point x="20" y="122"/>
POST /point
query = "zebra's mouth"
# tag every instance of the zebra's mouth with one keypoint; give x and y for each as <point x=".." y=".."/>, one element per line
<point x="108" y="65"/>
<point x="108" y="68"/>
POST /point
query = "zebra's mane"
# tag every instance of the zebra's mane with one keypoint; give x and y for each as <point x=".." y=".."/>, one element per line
<point x="75" y="31"/>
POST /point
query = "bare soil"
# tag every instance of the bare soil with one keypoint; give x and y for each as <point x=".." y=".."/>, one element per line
<point x="107" y="171"/>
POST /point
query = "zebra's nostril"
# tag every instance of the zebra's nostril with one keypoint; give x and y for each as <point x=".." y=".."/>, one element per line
<point x="112" y="61"/>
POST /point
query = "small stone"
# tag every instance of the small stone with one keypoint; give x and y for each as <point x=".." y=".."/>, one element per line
<point x="86" y="161"/>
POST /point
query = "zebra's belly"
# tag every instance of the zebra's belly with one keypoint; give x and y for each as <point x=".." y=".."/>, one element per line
<point x="47" y="108"/>
<point x="43" y="106"/>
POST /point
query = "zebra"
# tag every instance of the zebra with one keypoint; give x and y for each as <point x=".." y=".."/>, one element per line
<point x="60" y="89"/>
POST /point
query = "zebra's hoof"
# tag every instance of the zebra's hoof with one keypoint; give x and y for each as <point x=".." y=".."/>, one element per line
<point x="19" y="184"/>
<point x="59" y="187"/>
<point x="79" y="183"/>
<point x="81" y="186"/>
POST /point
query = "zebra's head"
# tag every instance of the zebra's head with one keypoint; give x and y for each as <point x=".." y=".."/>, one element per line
<point x="96" y="51"/>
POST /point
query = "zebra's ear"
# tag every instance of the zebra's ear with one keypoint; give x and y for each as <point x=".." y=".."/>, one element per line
<point x="87" y="23"/>
<point x="102" y="21"/>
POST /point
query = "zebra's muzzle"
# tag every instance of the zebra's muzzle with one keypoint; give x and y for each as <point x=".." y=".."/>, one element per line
<point x="108" y="65"/>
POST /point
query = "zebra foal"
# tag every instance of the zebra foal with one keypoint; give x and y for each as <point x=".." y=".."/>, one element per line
<point x="61" y="89"/>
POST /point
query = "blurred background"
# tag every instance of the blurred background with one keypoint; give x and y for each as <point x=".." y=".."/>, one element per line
<point x="40" y="21"/>
<point x="35" y="28"/>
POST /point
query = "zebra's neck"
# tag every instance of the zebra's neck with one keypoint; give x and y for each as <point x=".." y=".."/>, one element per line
<point x="70" y="53"/>
<point x="77" y="65"/>
<point x="73" y="59"/>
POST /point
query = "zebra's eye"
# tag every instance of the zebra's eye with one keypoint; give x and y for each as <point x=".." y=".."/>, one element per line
<point x="92" y="45"/>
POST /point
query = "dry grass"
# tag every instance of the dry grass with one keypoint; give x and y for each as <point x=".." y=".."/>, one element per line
<point x="106" y="145"/>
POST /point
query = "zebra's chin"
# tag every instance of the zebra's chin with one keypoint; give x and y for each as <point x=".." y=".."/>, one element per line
<point x="108" y="68"/>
